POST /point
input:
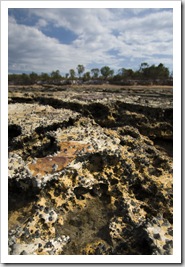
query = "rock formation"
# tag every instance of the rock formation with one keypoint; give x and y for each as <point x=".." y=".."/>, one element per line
<point x="90" y="170"/>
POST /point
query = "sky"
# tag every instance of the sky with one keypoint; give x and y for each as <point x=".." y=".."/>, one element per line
<point x="43" y="40"/>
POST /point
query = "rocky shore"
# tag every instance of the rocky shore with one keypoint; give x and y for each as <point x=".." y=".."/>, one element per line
<point x="90" y="170"/>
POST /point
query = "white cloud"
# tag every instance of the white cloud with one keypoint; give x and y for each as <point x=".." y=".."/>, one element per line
<point x="41" y="23"/>
<point x="99" y="31"/>
<point x="76" y="20"/>
<point x="30" y="49"/>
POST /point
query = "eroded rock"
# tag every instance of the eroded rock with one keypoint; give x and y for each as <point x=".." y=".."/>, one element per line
<point x="88" y="178"/>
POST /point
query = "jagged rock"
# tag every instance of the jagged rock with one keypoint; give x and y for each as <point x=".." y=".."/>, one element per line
<point x="90" y="173"/>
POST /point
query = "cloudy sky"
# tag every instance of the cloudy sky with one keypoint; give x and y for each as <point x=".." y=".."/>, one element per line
<point x="42" y="40"/>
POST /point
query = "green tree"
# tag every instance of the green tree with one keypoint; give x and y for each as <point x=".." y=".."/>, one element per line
<point x="143" y="66"/>
<point x="111" y="73"/>
<point x="14" y="78"/>
<point x="126" y="73"/>
<point x="129" y="73"/>
<point x="121" y="71"/>
<point x="80" y="69"/>
<point x="163" y="72"/>
<point x="25" y="78"/>
<point x="34" y="77"/>
<point x="106" y="72"/>
<point x="72" y="73"/>
<point x="55" y="76"/>
<point x="152" y="73"/>
<point x="86" y="76"/>
<point x="95" y="73"/>
<point x="45" y="77"/>
<point x="144" y="70"/>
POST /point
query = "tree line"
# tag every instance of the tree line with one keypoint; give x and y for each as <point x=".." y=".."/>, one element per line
<point x="145" y="74"/>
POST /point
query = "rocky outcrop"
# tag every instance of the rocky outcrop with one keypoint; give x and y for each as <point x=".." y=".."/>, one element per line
<point x="90" y="172"/>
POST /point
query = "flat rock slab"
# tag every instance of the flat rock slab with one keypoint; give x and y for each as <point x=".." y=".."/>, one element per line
<point x="32" y="117"/>
<point x="53" y="164"/>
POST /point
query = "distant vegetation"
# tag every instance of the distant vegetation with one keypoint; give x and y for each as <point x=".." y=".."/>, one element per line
<point x="144" y="75"/>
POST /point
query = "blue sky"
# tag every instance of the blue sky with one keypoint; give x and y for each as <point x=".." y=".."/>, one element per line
<point x="43" y="40"/>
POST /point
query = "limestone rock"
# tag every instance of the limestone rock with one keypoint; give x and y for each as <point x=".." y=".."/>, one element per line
<point x="90" y="172"/>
